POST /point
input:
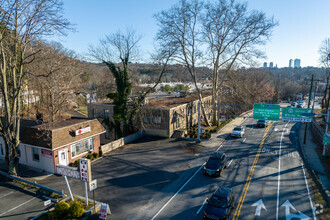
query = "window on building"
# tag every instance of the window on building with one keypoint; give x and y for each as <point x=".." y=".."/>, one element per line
<point x="107" y="133"/>
<point x="177" y="121"/>
<point x="147" y="119"/>
<point x="106" y="114"/>
<point x="157" y="119"/>
<point x="35" y="154"/>
<point x="81" y="147"/>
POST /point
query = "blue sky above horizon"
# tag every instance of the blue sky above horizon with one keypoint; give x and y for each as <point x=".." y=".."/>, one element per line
<point x="303" y="25"/>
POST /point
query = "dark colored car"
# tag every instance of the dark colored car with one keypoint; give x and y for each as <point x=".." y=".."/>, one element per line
<point x="299" y="106"/>
<point x="261" y="123"/>
<point x="293" y="104"/>
<point x="220" y="204"/>
<point x="215" y="164"/>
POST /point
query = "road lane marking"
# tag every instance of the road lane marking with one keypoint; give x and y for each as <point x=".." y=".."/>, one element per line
<point x="279" y="172"/>
<point x="309" y="195"/>
<point x="18" y="206"/>
<point x="6" y="194"/>
<point x="178" y="191"/>
<point x="201" y="206"/>
<point x="244" y="140"/>
<point x="229" y="163"/>
<point x="248" y="181"/>
<point x="219" y="148"/>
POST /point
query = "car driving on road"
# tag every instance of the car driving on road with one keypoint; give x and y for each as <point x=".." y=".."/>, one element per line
<point x="215" y="164"/>
<point x="261" y="123"/>
<point x="220" y="204"/>
<point x="238" y="131"/>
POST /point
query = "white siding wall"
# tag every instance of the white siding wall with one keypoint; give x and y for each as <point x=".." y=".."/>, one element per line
<point x="44" y="163"/>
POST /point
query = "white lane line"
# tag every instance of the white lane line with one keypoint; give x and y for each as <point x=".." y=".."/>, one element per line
<point x="177" y="192"/>
<point x="309" y="195"/>
<point x="244" y="140"/>
<point x="279" y="173"/>
<point x="219" y="148"/>
<point x="229" y="163"/>
<point x="6" y="194"/>
<point x="251" y="129"/>
<point x="18" y="206"/>
<point x="201" y="206"/>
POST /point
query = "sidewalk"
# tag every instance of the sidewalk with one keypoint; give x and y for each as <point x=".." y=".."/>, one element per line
<point x="312" y="160"/>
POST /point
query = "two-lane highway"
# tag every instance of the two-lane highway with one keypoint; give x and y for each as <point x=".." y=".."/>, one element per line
<point x="266" y="173"/>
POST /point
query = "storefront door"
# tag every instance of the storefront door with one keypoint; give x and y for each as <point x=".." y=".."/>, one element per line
<point x="63" y="157"/>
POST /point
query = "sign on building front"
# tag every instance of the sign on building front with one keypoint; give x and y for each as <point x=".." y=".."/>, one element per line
<point x="68" y="171"/>
<point x="47" y="153"/>
<point x="83" y="130"/>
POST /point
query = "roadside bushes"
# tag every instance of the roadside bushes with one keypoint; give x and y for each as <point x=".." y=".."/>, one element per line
<point x="76" y="210"/>
<point x="64" y="210"/>
<point x="61" y="209"/>
<point x="91" y="156"/>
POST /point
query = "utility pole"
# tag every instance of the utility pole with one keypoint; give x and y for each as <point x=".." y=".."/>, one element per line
<point x="309" y="102"/>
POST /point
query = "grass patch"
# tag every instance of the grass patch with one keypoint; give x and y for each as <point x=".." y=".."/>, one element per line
<point x="318" y="199"/>
<point x="83" y="110"/>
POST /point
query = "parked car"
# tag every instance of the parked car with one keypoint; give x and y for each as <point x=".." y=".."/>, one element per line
<point x="261" y="123"/>
<point x="220" y="204"/>
<point x="293" y="104"/>
<point x="299" y="106"/>
<point x="238" y="131"/>
<point x="215" y="164"/>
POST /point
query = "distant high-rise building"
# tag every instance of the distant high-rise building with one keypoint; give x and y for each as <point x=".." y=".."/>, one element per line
<point x="265" y="64"/>
<point x="296" y="63"/>
<point x="290" y="63"/>
<point x="271" y="65"/>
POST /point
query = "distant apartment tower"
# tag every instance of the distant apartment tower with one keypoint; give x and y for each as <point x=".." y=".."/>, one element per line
<point x="265" y="64"/>
<point x="290" y="63"/>
<point x="296" y="63"/>
<point x="271" y="65"/>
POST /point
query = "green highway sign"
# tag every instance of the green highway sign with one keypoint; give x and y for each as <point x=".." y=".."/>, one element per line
<point x="326" y="139"/>
<point x="297" y="114"/>
<point x="266" y="112"/>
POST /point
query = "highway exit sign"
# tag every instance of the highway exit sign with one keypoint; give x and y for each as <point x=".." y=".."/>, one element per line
<point x="266" y="112"/>
<point x="295" y="114"/>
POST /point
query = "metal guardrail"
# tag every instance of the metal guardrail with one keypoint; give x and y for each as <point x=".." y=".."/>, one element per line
<point x="31" y="183"/>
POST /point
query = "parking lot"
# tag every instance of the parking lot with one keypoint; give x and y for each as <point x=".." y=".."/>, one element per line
<point x="18" y="204"/>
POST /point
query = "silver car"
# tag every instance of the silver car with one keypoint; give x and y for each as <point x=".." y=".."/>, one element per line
<point x="238" y="131"/>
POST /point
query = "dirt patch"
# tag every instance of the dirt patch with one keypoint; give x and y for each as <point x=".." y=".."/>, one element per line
<point x="192" y="149"/>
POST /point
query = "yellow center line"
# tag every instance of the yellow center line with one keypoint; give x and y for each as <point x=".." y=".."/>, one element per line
<point x="248" y="181"/>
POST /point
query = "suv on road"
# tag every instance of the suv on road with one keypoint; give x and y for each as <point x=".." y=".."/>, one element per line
<point x="220" y="204"/>
<point x="215" y="164"/>
<point x="238" y="131"/>
<point x="261" y="123"/>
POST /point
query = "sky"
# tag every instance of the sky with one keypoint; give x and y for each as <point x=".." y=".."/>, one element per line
<point x="303" y="25"/>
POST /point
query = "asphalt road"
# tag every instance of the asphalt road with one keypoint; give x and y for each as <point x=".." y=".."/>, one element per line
<point x="163" y="179"/>
<point x="277" y="189"/>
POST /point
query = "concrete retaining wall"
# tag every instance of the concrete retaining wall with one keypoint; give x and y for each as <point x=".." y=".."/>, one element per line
<point x="317" y="132"/>
<point x="120" y="142"/>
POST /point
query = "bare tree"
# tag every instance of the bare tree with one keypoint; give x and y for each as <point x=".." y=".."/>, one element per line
<point x="232" y="35"/>
<point x="22" y="22"/>
<point x="123" y="48"/>
<point x="324" y="52"/>
<point x="179" y="29"/>
<point x="229" y="31"/>
<point x="56" y="75"/>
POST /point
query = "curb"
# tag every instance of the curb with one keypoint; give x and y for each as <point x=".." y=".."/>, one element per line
<point x="325" y="192"/>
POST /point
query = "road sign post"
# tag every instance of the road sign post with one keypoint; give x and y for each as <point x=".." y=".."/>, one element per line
<point x="266" y="112"/>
